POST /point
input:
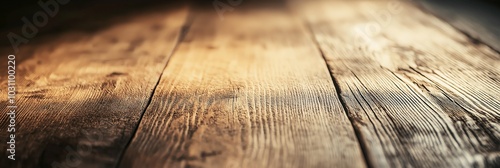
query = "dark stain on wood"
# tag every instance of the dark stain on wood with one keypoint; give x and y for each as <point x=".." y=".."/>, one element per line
<point x="115" y="74"/>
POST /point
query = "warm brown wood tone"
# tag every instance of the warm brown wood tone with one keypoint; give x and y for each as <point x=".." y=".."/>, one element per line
<point x="249" y="91"/>
<point x="81" y="95"/>
<point x="280" y="84"/>
<point x="420" y="93"/>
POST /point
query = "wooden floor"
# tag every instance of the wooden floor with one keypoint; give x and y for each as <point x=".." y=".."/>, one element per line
<point x="296" y="84"/>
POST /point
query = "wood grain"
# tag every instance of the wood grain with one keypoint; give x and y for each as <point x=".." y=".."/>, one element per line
<point x="81" y="94"/>
<point x="249" y="91"/>
<point x="420" y="92"/>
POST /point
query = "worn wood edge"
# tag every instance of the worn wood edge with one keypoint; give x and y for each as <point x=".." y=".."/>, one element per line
<point x="29" y="96"/>
<point x="378" y="161"/>
<point x="182" y="33"/>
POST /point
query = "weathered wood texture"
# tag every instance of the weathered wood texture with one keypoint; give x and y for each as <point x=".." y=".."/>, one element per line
<point x="81" y="95"/>
<point x="479" y="19"/>
<point x="249" y="91"/>
<point x="420" y="93"/>
<point x="254" y="90"/>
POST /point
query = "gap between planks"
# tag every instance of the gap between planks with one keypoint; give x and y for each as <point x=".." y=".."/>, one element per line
<point x="187" y="140"/>
<point x="362" y="143"/>
<point x="98" y="91"/>
<point x="182" y="33"/>
<point x="360" y="61"/>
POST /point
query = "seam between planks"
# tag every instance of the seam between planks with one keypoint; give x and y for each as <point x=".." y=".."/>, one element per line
<point x="182" y="33"/>
<point x="357" y="132"/>
<point x="481" y="124"/>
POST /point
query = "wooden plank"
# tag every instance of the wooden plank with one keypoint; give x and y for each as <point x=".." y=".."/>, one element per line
<point x="81" y="94"/>
<point x="249" y="91"/>
<point x="421" y="94"/>
<point x="476" y="18"/>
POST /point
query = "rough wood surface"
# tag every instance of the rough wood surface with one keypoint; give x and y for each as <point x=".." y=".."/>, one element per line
<point x="81" y="94"/>
<point x="249" y="91"/>
<point x="420" y="93"/>
<point x="260" y="88"/>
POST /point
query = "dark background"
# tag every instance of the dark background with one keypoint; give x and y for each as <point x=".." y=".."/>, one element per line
<point x="84" y="15"/>
<point x="91" y="15"/>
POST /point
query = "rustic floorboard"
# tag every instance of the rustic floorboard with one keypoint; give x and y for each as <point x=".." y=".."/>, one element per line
<point x="249" y="91"/>
<point x="81" y="94"/>
<point x="420" y="93"/>
<point x="281" y="84"/>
